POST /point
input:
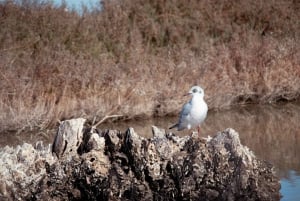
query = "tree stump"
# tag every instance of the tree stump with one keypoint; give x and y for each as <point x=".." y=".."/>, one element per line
<point x="111" y="165"/>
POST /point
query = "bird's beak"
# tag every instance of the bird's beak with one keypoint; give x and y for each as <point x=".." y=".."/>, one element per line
<point x="187" y="94"/>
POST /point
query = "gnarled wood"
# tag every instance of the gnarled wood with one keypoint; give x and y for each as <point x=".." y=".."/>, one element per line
<point x="112" y="165"/>
<point x="68" y="138"/>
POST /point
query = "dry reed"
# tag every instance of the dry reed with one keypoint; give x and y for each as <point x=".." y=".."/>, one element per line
<point x="137" y="57"/>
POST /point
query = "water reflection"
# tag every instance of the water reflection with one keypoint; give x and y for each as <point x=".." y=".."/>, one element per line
<point x="290" y="187"/>
<point x="14" y="138"/>
<point x="272" y="132"/>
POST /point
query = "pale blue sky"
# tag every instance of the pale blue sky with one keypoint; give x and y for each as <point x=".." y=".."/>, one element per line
<point x="77" y="3"/>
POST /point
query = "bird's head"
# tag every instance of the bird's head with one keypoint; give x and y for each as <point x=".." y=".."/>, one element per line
<point x="196" y="90"/>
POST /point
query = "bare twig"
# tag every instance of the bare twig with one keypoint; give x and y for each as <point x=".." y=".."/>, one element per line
<point x="94" y="120"/>
<point x="106" y="117"/>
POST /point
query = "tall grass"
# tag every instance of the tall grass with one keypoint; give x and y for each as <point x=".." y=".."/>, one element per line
<point x="136" y="58"/>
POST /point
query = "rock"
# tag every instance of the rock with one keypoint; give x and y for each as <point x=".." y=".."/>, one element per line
<point x="22" y="167"/>
<point x="158" y="132"/>
<point x="110" y="165"/>
<point x="68" y="138"/>
<point x="96" y="142"/>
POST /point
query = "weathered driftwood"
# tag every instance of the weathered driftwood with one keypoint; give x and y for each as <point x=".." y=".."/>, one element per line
<point x="111" y="165"/>
<point x="68" y="138"/>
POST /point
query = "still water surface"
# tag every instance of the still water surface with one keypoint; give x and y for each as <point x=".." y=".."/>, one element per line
<point x="272" y="132"/>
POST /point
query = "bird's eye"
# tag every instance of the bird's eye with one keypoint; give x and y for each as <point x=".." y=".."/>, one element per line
<point x="194" y="90"/>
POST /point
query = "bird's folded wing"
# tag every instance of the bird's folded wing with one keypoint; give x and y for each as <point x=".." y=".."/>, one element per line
<point x="185" y="112"/>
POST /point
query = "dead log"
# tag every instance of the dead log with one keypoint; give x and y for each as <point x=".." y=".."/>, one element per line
<point x="111" y="165"/>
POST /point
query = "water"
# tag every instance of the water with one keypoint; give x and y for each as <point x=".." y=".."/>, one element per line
<point x="271" y="132"/>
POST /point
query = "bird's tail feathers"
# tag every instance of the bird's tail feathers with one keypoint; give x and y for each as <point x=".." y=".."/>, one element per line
<point x="174" y="126"/>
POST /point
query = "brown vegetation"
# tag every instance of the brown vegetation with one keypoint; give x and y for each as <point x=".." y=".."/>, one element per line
<point x="136" y="58"/>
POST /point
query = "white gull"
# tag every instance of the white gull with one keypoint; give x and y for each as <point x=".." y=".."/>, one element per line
<point x="194" y="112"/>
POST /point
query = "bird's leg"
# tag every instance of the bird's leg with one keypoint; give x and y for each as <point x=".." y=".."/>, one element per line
<point x="199" y="130"/>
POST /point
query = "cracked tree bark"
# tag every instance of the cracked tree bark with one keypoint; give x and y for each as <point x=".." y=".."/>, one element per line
<point x="111" y="165"/>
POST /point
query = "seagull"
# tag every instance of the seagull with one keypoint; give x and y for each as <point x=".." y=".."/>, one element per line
<point x="194" y="112"/>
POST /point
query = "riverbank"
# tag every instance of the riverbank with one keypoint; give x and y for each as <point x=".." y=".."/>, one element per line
<point x="137" y="58"/>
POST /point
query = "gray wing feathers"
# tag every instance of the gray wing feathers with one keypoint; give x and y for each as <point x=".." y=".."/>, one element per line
<point x="184" y="113"/>
<point x="185" y="110"/>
